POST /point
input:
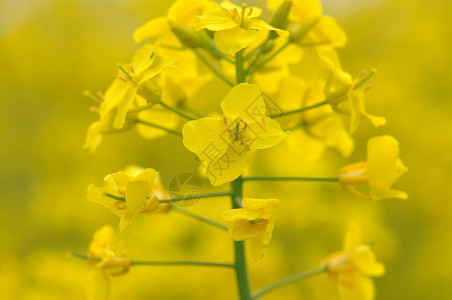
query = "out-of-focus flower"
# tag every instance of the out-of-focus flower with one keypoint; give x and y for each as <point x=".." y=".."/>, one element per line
<point x="254" y="222"/>
<point x="181" y="13"/>
<point x="352" y="268"/>
<point x="309" y="27"/>
<point x="222" y="143"/>
<point x="235" y="27"/>
<point x="128" y="193"/>
<point x="313" y="130"/>
<point x="344" y="94"/>
<point x="106" y="263"/>
<point x="382" y="168"/>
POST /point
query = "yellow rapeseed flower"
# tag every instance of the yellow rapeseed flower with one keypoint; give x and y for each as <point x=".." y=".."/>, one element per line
<point x="343" y="94"/>
<point x="382" y="168"/>
<point x="222" y="143"/>
<point x="133" y="78"/>
<point x="352" y="268"/>
<point x="106" y="262"/>
<point x="236" y="27"/>
<point x="253" y="222"/>
<point x="127" y="194"/>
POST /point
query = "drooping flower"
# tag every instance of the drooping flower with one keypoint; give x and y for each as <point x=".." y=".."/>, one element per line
<point x="344" y="94"/>
<point x="107" y="262"/>
<point x="353" y="267"/>
<point x="222" y="143"/>
<point x="382" y="168"/>
<point x="127" y="194"/>
<point x="134" y="78"/>
<point x="254" y="222"/>
<point x="235" y="27"/>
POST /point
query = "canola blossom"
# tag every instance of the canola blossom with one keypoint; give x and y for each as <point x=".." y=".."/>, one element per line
<point x="237" y="92"/>
<point x="353" y="267"/>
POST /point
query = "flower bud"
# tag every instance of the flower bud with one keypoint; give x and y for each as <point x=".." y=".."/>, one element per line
<point x="279" y="18"/>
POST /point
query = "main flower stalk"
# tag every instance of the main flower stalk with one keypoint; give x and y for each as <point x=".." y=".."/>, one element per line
<point x="239" y="246"/>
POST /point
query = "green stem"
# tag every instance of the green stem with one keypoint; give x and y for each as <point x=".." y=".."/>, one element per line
<point x="260" y="49"/>
<point x="198" y="217"/>
<point x="191" y="110"/>
<point x="183" y="262"/>
<point x="288" y="280"/>
<point x="239" y="247"/>
<point x="158" y="127"/>
<point x="209" y="65"/>
<point x="291" y="112"/>
<point x="264" y="178"/>
<point x="182" y="198"/>
<point x="240" y="71"/>
<point x="163" y="263"/>
<point x="268" y="59"/>
<point x="178" y="112"/>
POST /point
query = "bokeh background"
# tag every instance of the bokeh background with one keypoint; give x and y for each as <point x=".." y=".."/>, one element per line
<point x="51" y="51"/>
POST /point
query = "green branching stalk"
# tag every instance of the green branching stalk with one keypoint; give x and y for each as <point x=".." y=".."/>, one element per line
<point x="198" y="217"/>
<point x="288" y="280"/>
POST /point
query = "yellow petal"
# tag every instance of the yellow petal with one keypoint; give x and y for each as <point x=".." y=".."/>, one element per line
<point x="215" y="21"/>
<point x="361" y="287"/>
<point x="185" y="11"/>
<point x="383" y="163"/>
<point x="149" y="175"/>
<point x="327" y="30"/>
<point x="153" y="29"/>
<point x="265" y="135"/>
<point x="261" y="25"/>
<point x="334" y="134"/>
<point x="353" y="237"/>
<point x="226" y="168"/>
<point x="101" y="239"/>
<point x="206" y="137"/>
<point x="365" y="260"/>
<point x="257" y="247"/>
<point x="94" y="136"/>
<point x="136" y="194"/>
<point x="231" y="41"/>
<point x="233" y="215"/>
<point x="159" y="116"/>
<point x="253" y="204"/>
<point x="241" y="230"/>
<point x="98" y="285"/>
<point x="306" y="147"/>
<point x="143" y="58"/>
<point x="120" y="179"/>
<point x="330" y="59"/>
<point x="244" y="101"/>
<point x="96" y="195"/>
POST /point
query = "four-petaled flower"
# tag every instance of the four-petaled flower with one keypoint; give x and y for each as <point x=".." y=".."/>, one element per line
<point x="352" y="268"/>
<point x="254" y="222"/>
<point x="222" y="143"/>
<point x="134" y="78"/>
<point x="128" y="193"/>
<point x="382" y="168"/>
<point x="235" y="27"/>
<point x="106" y="262"/>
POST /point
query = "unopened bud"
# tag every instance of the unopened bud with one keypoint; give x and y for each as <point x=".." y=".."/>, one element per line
<point x="186" y="36"/>
<point x="280" y="17"/>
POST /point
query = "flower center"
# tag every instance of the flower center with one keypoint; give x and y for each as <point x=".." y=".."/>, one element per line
<point x="243" y="17"/>
<point x="237" y="131"/>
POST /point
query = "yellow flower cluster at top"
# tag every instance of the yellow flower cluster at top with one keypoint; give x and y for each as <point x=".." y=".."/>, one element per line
<point x="267" y="104"/>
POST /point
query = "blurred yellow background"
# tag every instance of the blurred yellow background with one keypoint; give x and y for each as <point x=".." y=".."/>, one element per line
<point x="51" y="51"/>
